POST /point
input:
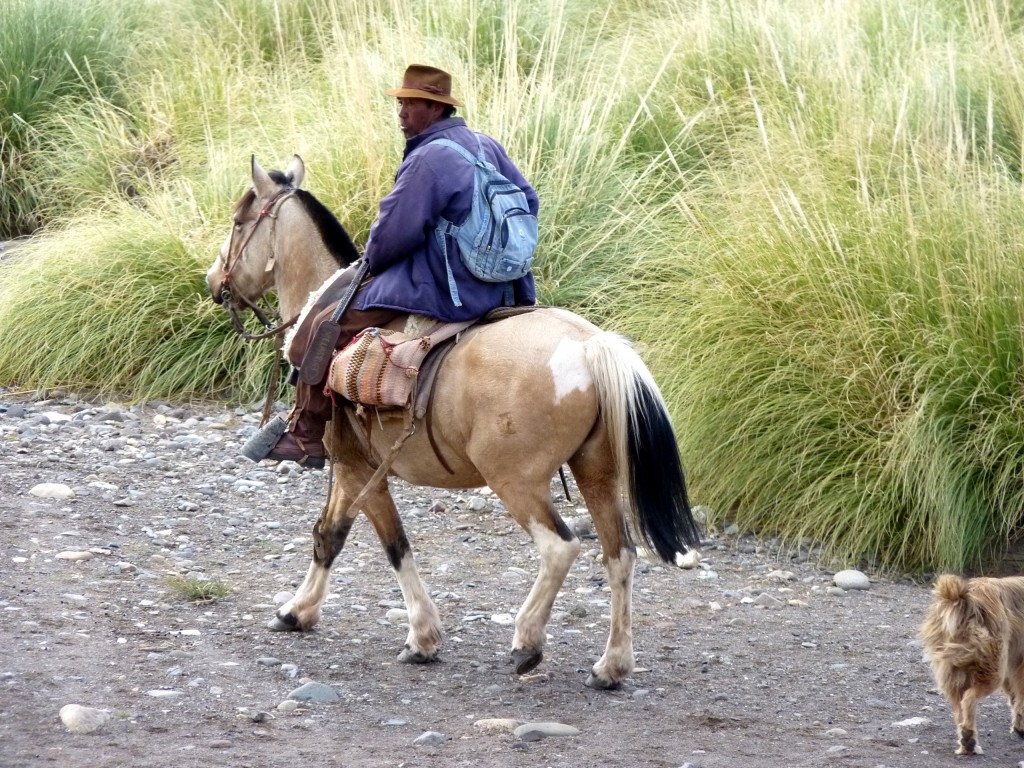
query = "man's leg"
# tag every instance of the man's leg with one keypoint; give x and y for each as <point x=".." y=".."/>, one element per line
<point x="303" y="442"/>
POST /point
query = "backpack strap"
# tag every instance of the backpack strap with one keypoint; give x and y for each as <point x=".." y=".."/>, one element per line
<point x="445" y="227"/>
<point x="440" y="233"/>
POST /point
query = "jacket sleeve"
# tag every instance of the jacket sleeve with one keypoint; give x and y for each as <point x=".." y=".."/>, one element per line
<point x="406" y="215"/>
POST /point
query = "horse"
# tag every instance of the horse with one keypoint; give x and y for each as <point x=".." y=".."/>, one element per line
<point x="514" y="401"/>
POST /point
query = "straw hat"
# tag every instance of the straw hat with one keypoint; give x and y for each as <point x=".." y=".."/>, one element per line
<point x="423" y="82"/>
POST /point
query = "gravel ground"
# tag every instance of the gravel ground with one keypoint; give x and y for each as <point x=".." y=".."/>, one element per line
<point x="753" y="658"/>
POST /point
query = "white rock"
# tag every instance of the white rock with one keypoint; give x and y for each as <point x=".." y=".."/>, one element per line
<point x="689" y="559"/>
<point x="79" y="719"/>
<point x="537" y="731"/>
<point x="397" y="615"/>
<point x="503" y="618"/>
<point x="55" y="417"/>
<point x="71" y="555"/>
<point x="163" y="693"/>
<point x="496" y="725"/>
<point x="851" y="579"/>
<point x="282" y="597"/>
<point x="52" y="491"/>
<point x="911" y="722"/>
<point x="288" y="705"/>
<point x="781" y="576"/>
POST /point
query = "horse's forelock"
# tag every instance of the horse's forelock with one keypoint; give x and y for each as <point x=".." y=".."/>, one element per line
<point x="246" y="201"/>
<point x="280" y="177"/>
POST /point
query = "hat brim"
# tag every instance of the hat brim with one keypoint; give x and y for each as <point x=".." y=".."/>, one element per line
<point x="415" y="93"/>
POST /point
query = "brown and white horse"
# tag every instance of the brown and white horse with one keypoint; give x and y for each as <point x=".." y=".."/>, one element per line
<point x="514" y="401"/>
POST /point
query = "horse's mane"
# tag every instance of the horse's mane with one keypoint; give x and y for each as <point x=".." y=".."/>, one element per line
<point x="333" y="234"/>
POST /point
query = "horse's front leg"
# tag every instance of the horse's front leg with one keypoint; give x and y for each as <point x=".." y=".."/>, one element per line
<point x="425" y="631"/>
<point x="330" y="531"/>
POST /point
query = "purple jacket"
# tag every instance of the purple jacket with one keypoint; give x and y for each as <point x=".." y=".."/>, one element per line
<point x="403" y="254"/>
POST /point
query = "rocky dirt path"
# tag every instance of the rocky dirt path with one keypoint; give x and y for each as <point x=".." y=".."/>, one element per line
<point x="753" y="658"/>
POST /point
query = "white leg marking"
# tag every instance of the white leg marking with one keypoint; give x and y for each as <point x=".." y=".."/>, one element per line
<point x="305" y="606"/>
<point x="556" y="557"/>
<point x="568" y="366"/>
<point x="424" y="622"/>
<point x="617" y="662"/>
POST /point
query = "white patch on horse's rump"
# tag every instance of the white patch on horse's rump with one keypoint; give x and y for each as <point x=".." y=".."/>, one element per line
<point x="568" y="366"/>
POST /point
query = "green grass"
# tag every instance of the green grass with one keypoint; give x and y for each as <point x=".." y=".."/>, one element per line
<point x="52" y="54"/>
<point x="809" y="218"/>
<point x="196" y="590"/>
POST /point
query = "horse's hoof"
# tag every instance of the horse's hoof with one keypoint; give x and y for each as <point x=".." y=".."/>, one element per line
<point x="286" y="623"/>
<point x="600" y="684"/>
<point x="409" y="656"/>
<point x="526" y="660"/>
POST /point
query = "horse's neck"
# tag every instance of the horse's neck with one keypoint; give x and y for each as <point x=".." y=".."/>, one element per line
<point x="303" y="262"/>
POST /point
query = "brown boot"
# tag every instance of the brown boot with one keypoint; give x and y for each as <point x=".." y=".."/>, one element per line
<point x="301" y="450"/>
<point x="303" y="443"/>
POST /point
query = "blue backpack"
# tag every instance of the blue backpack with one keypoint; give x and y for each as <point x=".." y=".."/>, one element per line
<point x="497" y="239"/>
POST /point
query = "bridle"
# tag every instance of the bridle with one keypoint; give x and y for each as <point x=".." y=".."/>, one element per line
<point x="228" y="298"/>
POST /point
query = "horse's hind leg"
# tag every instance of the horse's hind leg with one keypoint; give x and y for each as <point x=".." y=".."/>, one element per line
<point x="558" y="549"/>
<point x="593" y="468"/>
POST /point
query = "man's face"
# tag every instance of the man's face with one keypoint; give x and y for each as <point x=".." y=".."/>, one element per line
<point x="416" y="115"/>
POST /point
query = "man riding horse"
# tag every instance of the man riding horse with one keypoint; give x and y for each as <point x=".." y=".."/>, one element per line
<point x="410" y="271"/>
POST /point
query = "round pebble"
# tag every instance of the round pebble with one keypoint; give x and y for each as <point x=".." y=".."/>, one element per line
<point x="315" y="692"/>
<point x="851" y="579"/>
<point x="79" y="719"/>
<point x="52" y="491"/>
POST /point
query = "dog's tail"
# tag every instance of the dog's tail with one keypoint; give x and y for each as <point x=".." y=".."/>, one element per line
<point x="950" y="589"/>
<point x="962" y="628"/>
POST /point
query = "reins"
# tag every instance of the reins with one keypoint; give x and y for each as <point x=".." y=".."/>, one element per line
<point x="228" y="297"/>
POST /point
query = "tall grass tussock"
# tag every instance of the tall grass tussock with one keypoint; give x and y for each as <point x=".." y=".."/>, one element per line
<point x="808" y="215"/>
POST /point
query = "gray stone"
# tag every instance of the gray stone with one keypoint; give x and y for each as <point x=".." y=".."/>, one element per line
<point x="767" y="601"/>
<point x="315" y="692"/>
<point x="429" y="739"/>
<point x="851" y="579"/>
<point x="538" y="731"/>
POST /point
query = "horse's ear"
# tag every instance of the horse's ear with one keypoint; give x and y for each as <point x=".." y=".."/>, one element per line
<point x="261" y="181"/>
<point x="296" y="171"/>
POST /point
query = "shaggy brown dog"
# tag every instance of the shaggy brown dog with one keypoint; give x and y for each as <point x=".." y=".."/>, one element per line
<point x="974" y="640"/>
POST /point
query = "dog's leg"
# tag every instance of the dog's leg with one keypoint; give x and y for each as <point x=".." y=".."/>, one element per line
<point x="964" y="712"/>
<point x="1013" y="686"/>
